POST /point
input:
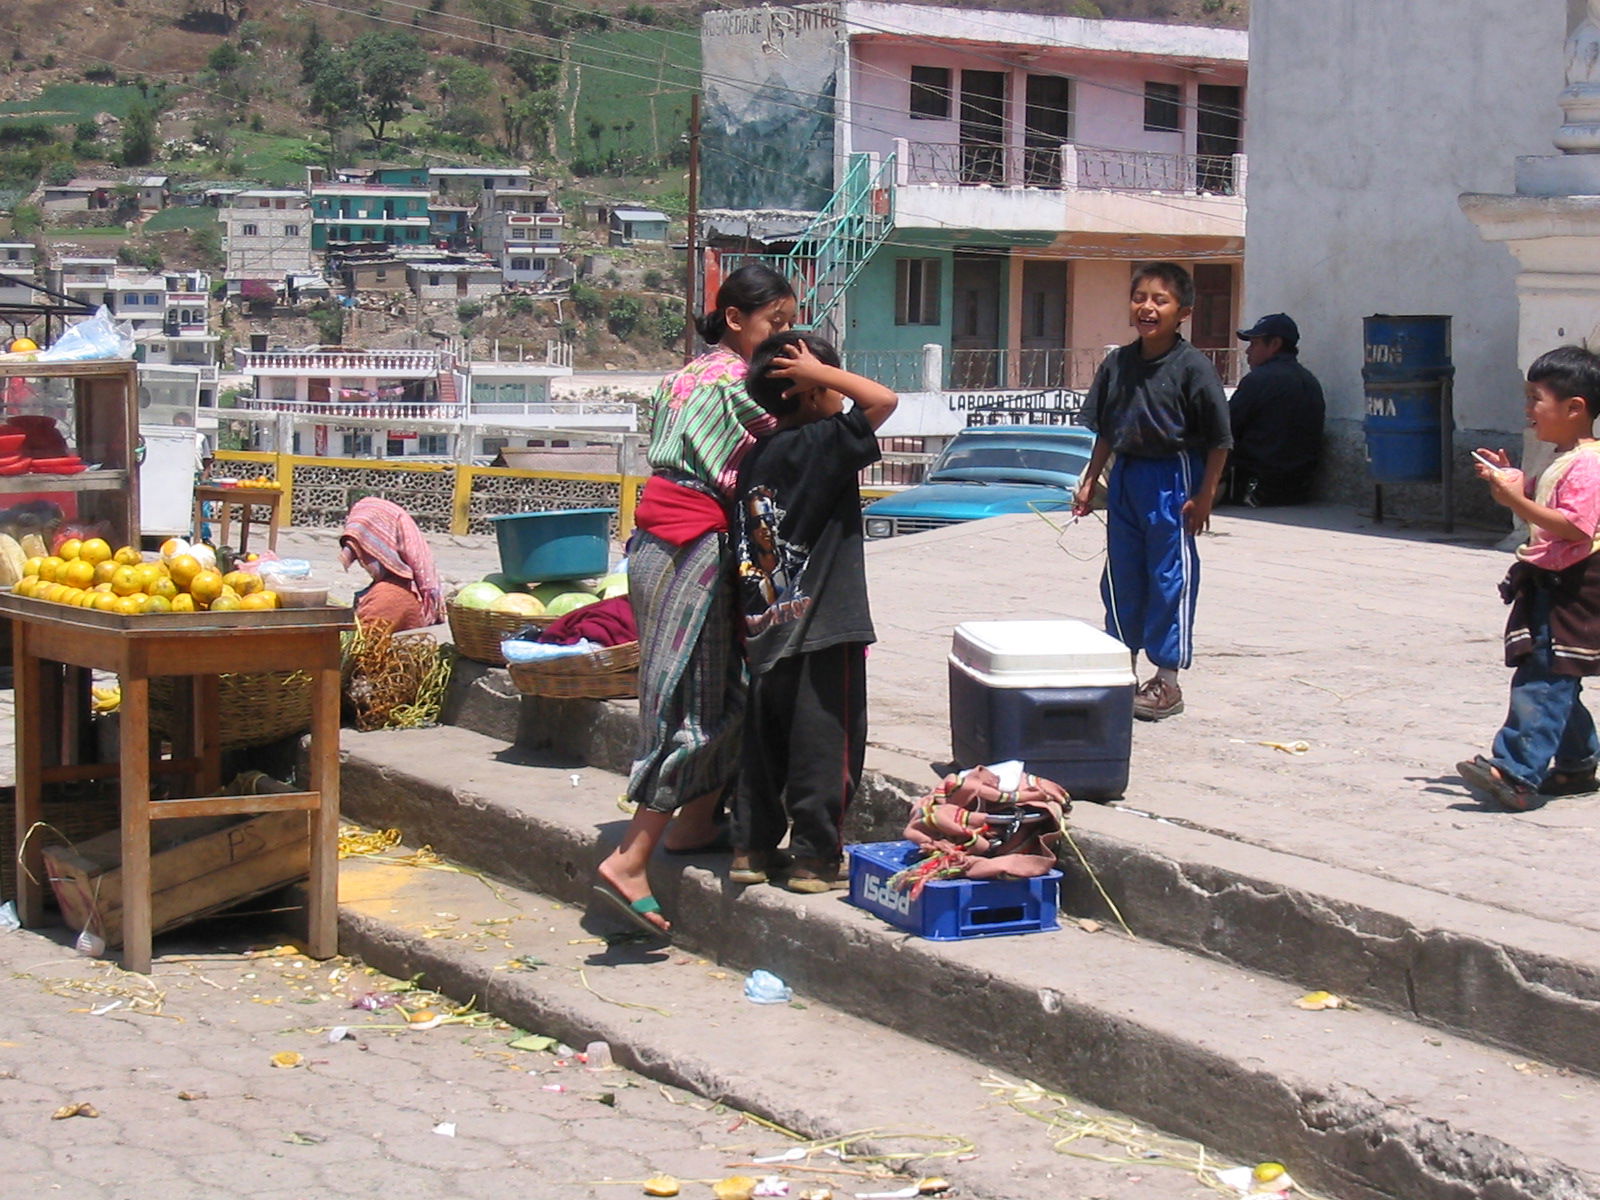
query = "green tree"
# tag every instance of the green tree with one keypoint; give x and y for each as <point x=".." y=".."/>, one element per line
<point x="312" y="52"/>
<point x="390" y="65"/>
<point x="138" y="134"/>
<point x="225" y="59"/>
<point x="335" y="92"/>
<point x="467" y="88"/>
<point x="498" y="14"/>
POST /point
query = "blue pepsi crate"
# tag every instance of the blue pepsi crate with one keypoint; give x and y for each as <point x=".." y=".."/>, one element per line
<point x="950" y="910"/>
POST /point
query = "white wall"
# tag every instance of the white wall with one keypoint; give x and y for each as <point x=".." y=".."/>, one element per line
<point x="1367" y="122"/>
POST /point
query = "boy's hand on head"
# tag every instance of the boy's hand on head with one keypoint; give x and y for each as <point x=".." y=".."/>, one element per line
<point x="798" y="363"/>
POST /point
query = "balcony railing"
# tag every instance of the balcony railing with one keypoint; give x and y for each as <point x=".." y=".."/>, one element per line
<point x="334" y="362"/>
<point x="433" y="410"/>
<point x="1068" y="166"/>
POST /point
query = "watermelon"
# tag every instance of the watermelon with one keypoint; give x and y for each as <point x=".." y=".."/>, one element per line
<point x="478" y="595"/>
<point x="567" y="602"/>
<point x="613" y="585"/>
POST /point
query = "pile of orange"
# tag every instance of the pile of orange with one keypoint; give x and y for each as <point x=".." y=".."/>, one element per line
<point x="89" y="574"/>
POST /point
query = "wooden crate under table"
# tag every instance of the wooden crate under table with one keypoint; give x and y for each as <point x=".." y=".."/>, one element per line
<point x="198" y="865"/>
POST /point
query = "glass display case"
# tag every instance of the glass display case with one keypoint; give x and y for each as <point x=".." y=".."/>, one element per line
<point x="69" y="439"/>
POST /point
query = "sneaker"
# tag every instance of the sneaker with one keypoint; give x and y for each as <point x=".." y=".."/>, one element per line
<point x="755" y="866"/>
<point x="1156" y="700"/>
<point x="811" y="876"/>
<point x="1487" y="782"/>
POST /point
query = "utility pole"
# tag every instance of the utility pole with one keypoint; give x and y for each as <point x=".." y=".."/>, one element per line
<point x="690" y="309"/>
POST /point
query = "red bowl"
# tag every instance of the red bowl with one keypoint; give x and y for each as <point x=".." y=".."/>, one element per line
<point x="10" y="443"/>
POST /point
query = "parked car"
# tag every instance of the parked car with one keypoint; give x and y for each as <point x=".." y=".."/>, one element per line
<point x="988" y="471"/>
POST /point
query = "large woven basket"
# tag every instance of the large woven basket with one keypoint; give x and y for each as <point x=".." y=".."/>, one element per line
<point x="72" y="813"/>
<point x="608" y="674"/>
<point x="256" y="709"/>
<point x="477" y="632"/>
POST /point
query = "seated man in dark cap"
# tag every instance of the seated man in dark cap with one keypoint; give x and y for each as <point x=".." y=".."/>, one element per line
<point x="1276" y="413"/>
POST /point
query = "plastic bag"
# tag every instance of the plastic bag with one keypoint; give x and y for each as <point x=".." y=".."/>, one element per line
<point x="98" y="337"/>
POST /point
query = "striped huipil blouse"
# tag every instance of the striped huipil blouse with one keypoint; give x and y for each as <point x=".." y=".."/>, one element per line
<point x="704" y="421"/>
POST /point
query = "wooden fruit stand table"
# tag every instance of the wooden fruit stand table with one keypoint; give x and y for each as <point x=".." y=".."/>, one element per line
<point x="51" y="639"/>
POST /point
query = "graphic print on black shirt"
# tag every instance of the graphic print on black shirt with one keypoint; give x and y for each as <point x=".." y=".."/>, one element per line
<point x="769" y="567"/>
<point x="802" y="570"/>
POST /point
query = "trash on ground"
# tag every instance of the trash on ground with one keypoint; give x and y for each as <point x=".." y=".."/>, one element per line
<point x="933" y="1185"/>
<point x="103" y="1009"/>
<point x="553" y="1087"/>
<point x="287" y="1059"/>
<point x="340" y="1033"/>
<point x="661" y="1185"/>
<point x="597" y="1056"/>
<point x="1264" y="1179"/>
<point x="816" y="1194"/>
<point x="763" y="987"/>
<point x="80" y="1109"/>
<point x="1089" y="925"/>
<point x="90" y="945"/>
<point x="533" y="1041"/>
<point x="735" y="1187"/>
<point x="445" y="1129"/>
<point x="9" y="920"/>
<point x="790" y="1155"/>
<point x="1317" y="1001"/>
<point x="771" y="1185"/>
<point x="904" y="1193"/>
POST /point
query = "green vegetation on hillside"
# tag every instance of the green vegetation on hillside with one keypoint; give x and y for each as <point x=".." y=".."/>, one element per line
<point x="70" y="103"/>
<point x="629" y="89"/>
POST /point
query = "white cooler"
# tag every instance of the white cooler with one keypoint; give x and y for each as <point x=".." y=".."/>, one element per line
<point x="1056" y="694"/>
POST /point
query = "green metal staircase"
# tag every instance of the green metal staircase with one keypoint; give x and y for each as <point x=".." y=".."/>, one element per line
<point x="835" y="247"/>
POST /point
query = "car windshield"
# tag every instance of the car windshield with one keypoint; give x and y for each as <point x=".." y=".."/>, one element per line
<point x="1024" y="464"/>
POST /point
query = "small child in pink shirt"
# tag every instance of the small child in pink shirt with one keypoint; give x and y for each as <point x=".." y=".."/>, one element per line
<point x="1548" y="745"/>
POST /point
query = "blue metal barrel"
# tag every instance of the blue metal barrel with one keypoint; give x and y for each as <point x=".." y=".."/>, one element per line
<point x="1405" y="373"/>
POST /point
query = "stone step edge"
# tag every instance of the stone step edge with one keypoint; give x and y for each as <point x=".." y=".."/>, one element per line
<point x="1533" y="986"/>
<point x="818" y="1072"/>
<point x="1232" y="1103"/>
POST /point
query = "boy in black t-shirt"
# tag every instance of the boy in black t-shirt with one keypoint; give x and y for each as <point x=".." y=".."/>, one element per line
<point x="803" y="605"/>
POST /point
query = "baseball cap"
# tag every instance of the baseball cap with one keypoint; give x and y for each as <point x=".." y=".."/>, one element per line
<point x="1278" y="325"/>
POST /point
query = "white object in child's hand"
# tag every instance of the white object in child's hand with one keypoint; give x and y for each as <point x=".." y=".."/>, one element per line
<point x="1487" y="461"/>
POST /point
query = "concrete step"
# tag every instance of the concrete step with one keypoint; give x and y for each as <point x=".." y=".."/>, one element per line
<point x="1358" y="1102"/>
<point x="684" y="1021"/>
<point x="1489" y="973"/>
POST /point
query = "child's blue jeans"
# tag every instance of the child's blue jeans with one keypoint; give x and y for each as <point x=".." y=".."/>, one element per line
<point x="1547" y="719"/>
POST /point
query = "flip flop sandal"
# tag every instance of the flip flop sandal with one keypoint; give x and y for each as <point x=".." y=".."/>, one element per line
<point x="1484" y="779"/>
<point x="634" y="912"/>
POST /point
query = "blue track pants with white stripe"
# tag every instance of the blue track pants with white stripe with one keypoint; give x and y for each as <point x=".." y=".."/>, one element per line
<point x="1152" y="574"/>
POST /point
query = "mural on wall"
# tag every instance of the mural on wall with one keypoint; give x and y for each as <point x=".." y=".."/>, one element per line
<point x="767" y="121"/>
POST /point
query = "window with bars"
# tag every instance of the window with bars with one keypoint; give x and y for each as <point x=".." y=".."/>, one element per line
<point x="1163" y="107"/>
<point x="916" y="291"/>
<point x="930" y="93"/>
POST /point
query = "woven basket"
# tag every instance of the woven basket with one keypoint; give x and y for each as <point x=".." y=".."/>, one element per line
<point x="608" y="674"/>
<point x="256" y="709"/>
<point x="477" y="632"/>
<point x="72" y="813"/>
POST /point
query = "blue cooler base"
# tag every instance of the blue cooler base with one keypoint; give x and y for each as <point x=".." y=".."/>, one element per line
<point x="1079" y="737"/>
<point x="950" y="910"/>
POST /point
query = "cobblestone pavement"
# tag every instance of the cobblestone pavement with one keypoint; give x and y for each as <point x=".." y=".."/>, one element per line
<point x="191" y="1104"/>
